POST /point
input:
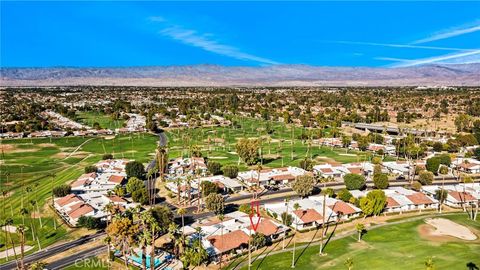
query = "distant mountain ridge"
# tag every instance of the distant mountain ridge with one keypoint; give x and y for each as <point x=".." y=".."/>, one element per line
<point x="215" y="75"/>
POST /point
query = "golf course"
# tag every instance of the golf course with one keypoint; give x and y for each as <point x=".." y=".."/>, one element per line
<point x="401" y="244"/>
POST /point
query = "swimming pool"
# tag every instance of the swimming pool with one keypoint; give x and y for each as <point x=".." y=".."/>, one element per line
<point x="138" y="259"/>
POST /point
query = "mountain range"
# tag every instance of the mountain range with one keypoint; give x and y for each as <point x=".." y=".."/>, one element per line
<point x="215" y="75"/>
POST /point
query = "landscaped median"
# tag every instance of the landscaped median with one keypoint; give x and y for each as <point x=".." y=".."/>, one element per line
<point x="404" y="243"/>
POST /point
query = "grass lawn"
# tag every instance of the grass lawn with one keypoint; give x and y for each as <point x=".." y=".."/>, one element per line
<point x="218" y="143"/>
<point x="105" y="121"/>
<point x="397" y="246"/>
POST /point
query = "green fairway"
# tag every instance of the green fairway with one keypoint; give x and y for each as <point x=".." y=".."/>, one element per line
<point x="105" y="121"/>
<point x="396" y="246"/>
<point x="218" y="143"/>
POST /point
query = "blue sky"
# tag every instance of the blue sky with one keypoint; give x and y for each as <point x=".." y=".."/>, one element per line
<point x="391" y="34"/>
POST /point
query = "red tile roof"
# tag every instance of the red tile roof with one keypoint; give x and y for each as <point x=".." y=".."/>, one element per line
<point x="391" y="202"/>
<point x="419" y="198"/>
<point x="355" y="170"/>
<point x="326" y="170"/>
<point x="80" y="182"/>
<point x="462" y="196"/>
<point x="266" y="227"/>
<point x="308" y="216"/>
<point x="70" y="198"/>
<point x="116" y="178"/>
<point x="283" y="177"/>
<point x="342" y="207"/>
<point x="229" y="241"/>
<point x="80" y="211"/>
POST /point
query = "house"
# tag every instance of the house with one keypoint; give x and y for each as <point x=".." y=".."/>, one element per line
<point x="467" y="165"/>
<point x="226" y="184"/>
<point x="230" y="235"/>
<point x="459" y="195"/>
<point x="275" y="176"/>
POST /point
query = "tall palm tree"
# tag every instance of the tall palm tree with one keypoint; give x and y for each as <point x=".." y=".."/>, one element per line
<point x="108" y="240"/>
<point x="349" y="263"/>
<point x="181" y="212"/>
<point x="178" y="181"/>
<point x="296" y="206"/>
<point x="221" y="218"/>
<point x="21" y="230"/>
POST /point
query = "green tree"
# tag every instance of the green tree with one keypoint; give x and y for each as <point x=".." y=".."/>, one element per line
<point x="245" y="208"/>
<point x="354" y="181"/>
<point x="107" y="156"/>
<point x="306" y="164"/>
<point x="140" y="196"/>
<point x="287" y="219"/>
<point x="62" y="190"/>
<point x="247" y="150"/>
<point x="90" y="169"/>
<point x="214" y="167"/>
<point x="215" y="203"/>
<point x="194" y="255"/>
<point x="425" y="177"/>
<point x="381" y="181"/>
<point x="344" y="195"/>
<point x="230" y="171"/>
<point x="373" y="203"/>
<point x="89" y="222"/>
<point x="135" y="169"/>
<point x="441" y="195"/>
<point x="304" y="185"/>
<point x="258" y="240"/>
<point x="360" y="227"/>
<point x="134" y="184"/>
<point x="208" y="188"/>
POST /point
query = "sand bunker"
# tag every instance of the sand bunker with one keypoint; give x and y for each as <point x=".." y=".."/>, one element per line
<point x="10" y="228"/>
<point x="445" y="227"/>
<point x="3" y="254"/>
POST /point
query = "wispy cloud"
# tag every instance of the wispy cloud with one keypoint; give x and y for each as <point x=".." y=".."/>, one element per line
<point x="472" y="56"/>
<point x="399" y="45"/>
<point x="207" y="42"/>
<point x="451" y="32"/>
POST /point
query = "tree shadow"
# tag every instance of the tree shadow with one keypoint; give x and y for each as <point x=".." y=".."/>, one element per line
<point x="472" y="266"/>
<point x="276" y="245"/>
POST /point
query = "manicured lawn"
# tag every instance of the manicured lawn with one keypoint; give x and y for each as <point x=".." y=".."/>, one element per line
<point x="218" y="143"/>
<point x="105" y="121"/>
<point x="397" y="246"/>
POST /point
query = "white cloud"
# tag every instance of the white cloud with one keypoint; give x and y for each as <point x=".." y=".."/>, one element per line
<point x="465" y="57"/>
<point x="207" y="42"/>
<point x="400" y="45"/>
<point x="451" y="32"/>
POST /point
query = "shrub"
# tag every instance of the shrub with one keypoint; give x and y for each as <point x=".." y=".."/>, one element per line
<point x="425" y="178"/>
<point x="62" y="190"/>
<point x="245" y="208"/>
<point x="107" y="156"/>
<point x="380" y="180"/>
<point x="344" y="195"/>
<point x="214" y="168"/>
<point x="354" y="181"/>
<point x="306" y="164"/>
<point x="90" y="169"/>
<point x="416" y="186"/>
<point x="135" y="169"/>
<point x="230" y="171"/>
<point x="90" y="223"/>
<point x="208" y="188"/>
<point x="287" y="219"/>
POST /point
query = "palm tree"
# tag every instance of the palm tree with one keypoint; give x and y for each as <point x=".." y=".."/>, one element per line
<point x="108" y="240"/>
<point x="178" y="181"/>
<point x="181" y="212"/>
<point x="221" y="218"/>
<point x="259" y="170"/>
<point x="52" y="175"/>
<point x="296" y="206"/>
<point x="21" y="230"/>
<point x="189" y="189"/>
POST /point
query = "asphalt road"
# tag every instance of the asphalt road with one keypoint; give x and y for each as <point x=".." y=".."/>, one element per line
<point x="78" y="259"/>
<point x="50" y="251"/>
